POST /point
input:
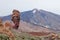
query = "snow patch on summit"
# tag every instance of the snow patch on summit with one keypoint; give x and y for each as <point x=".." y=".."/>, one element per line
<point x="35" y="10"/>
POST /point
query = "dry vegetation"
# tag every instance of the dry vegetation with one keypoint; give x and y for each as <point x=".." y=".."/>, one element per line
<point x="5" y="28"/>
<point x="12" y="33"/>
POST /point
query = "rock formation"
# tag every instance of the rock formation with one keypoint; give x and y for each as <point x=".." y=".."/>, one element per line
<point x="16" y="18"/>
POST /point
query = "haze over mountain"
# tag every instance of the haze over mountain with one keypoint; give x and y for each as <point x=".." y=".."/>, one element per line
<point x="39" y="18"/>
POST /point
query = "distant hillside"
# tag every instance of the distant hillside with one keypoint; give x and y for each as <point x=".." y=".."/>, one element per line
<point x="27" y="27"/>
<point x="40" y="18"/>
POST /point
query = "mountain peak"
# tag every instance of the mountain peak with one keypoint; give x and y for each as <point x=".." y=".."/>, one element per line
<point x="38" y="17"/>
<point x="35" y="10"/>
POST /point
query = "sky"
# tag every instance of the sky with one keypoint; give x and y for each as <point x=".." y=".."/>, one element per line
<point x="6" y="6"/>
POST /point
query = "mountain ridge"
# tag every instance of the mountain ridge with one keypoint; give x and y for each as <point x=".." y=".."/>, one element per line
<point x="39" y="17"/>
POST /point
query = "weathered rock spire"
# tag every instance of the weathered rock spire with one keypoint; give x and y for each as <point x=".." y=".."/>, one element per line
<point x="16" y="18"/>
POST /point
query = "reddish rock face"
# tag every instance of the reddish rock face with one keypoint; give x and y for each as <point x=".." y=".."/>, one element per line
<point x="16" y="18"/>
<point x="38" y="33"/>
<point x="1" y="23"/>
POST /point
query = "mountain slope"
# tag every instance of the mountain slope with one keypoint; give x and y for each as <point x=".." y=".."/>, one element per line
<point x="40" y="18"/>
<point x="27" y="27"/>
